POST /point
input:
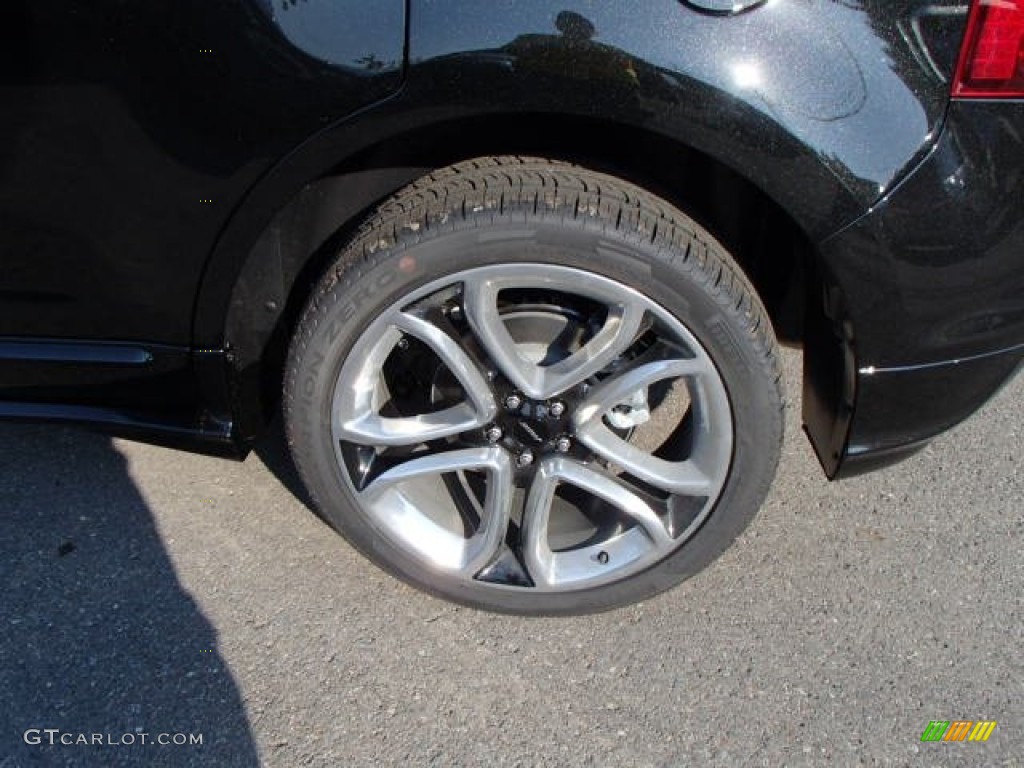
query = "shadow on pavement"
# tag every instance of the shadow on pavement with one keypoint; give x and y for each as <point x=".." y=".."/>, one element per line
<point x="98" y="636"/>
<point x="272" y="450"/>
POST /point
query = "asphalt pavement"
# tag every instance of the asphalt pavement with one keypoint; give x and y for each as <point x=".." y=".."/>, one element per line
<point x="149" y="593"/>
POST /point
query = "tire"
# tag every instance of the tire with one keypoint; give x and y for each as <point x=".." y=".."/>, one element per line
<point x="445" y="420"/>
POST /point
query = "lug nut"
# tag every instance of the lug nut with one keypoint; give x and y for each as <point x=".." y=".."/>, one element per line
<point x="512" y="402"/>
<point x="455" y="313"/>
<point x="403" y="343"/>
<point x="556" y="409"/>
<point x="563" y="444"/>
<point x="494" y="434"/>
<point x="525" y="458"/>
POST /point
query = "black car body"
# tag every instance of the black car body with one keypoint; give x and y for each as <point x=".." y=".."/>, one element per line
<point x="175" y="176"/>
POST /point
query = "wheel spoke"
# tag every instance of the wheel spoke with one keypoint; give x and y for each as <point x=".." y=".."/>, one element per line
<point x="357" y="407"/>
<point x="440" y="547"/>
<point x="544" y="564"/>
<point x="621" y="327"/>
<point x="451" y="353"/>
<point x="683" y="477"/>
<point x="618" y="388"/>
<point x="374" y="429"/>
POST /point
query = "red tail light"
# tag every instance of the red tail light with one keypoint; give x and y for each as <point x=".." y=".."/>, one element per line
<point x="992" y="60"/>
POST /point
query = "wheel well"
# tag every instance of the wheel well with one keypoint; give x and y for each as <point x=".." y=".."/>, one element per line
<point x="284" y="266"/>
<point x="764" y="239"/>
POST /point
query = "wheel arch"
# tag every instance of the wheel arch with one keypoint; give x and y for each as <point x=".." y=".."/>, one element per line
<point x="294" y="222"/>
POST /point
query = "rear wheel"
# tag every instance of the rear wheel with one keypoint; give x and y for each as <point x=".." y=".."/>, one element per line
<point x="534" y="388"/>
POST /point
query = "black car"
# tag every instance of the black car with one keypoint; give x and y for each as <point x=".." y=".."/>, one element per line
<point x="515" y="271"/>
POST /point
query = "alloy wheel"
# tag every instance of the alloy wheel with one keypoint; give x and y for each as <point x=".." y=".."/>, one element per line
<point x="531" y="427"/>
